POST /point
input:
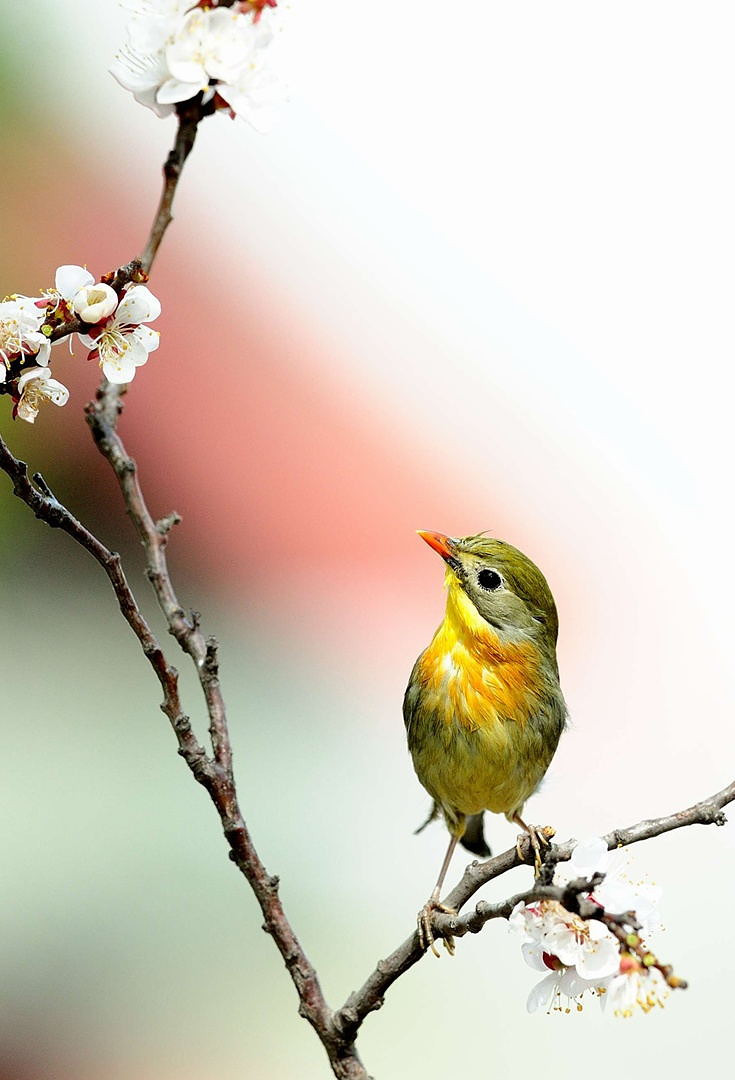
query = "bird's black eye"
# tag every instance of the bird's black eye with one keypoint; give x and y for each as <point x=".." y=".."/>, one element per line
<point x="489" y="579"/>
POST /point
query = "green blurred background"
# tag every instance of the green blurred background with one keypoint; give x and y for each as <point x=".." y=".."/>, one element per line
<point x="488" y="288"/>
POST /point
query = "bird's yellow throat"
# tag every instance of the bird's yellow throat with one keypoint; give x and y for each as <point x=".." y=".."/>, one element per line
<point x="480" y="677"/>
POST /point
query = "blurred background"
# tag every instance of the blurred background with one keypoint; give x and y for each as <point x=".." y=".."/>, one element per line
<point x="479" y="276"/>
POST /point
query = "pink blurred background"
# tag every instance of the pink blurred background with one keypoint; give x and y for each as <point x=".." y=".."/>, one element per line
<point x="478" y="277"/>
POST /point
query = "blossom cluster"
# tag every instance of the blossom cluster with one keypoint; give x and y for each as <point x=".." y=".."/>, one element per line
<point x="583" y="955"/>
<point x="177" y="49"/>
<point x="108" y="323"/>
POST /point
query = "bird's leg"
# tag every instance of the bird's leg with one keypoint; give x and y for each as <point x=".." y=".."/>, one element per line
<point x="539" y="838"/>
<point x="426" y="934"/>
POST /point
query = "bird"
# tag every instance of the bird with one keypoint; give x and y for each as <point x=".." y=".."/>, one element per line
<point x="483" y="708"/>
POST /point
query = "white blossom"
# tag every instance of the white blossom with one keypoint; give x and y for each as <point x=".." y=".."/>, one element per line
<point x="558" y="985"/>
<point x="96" y="302"/>
<point x="579" y="955"/>
<point x="140" y="66"/>
<point x="556" y="938"/>
<point x="69" y="279"/>
<point x="35" y="386"/>
<point x="212" y="44"/>
<point x="21" y="318"/>
<point x="589" y="857"/>
<point x="176" y="50"/>
<point x="123" y="344"/>
<point x="643" y="988"/>
<point x="618" y="892"/>
<point x="142" y="74"/>
<point x="256" y="92"/>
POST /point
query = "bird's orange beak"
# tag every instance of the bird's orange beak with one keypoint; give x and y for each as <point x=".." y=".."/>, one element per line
<point x="439" y="542"/>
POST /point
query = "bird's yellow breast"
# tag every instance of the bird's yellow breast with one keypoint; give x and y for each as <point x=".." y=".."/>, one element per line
<point x="473" y="712"/>
<point x="478" y="678"/>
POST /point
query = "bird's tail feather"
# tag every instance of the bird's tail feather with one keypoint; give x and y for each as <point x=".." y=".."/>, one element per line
<point x="473" y="837"/>
<point x="433" y="814"/>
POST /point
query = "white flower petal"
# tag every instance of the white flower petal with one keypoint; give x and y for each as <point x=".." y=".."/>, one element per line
<point x="149" y="36"/>
<point x="600" y="958"/>
<point x="149" y="339"/>
<point x="32" y="309"/>
<point x="184" y="55"/>
<point x="562" y="943"/>
<point x="44" y="353"/>
<point x="69" y="279"/>
<point x="138" y="70"/>
<point x="138" y="305"/>
<point x="254" y="97"/>
<point x="35" y="386"/>
<point x="30" y="375"/>
<point x="533" y="955"/>
<point x="174" y="90"/>
<point x="118" y="369"/>
<point x="590" y="856"/>
<point x="93" y="303"/>
<point x="572" y="985"/>
<point x="637" y="988"/>
<point x="136" y="351"/>
<point x="542" y="993"/>
<point x="231" y="44"/>
<point x="56" y="392"/>
<point x="524" y="921"/>
<point x="616" y="896"/>
<point x="27" y="410"/>
<point x="184" y="69"/>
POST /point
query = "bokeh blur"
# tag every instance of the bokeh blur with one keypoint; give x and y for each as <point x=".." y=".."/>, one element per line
<point x="479" y="276"/>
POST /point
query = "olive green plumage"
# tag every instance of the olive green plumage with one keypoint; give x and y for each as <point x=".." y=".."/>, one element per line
<point x="483" y="708"/>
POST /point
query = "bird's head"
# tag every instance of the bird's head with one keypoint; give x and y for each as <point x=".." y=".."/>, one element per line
<point x="502" y="586"/>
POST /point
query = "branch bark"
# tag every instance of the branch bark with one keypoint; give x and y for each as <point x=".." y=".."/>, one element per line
<point x="215" y="772"/>
<point x="190" y="113"/>
<point x="37" y="495"/>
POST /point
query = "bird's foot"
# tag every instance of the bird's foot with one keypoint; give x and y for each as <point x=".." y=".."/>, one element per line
<point x="540" y="838"/>
<point x="426" y="931"/>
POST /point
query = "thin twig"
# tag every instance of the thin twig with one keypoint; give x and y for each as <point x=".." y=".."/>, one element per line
<point x="102" y="417"/>
<point x="189" y="113"/>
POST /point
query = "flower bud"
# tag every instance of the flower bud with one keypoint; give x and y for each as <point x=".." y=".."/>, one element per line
<point x="628" y="963"/>
<point x="93" y="303"/>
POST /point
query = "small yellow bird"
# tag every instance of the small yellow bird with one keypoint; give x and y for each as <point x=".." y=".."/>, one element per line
<point x="483" y="708"/>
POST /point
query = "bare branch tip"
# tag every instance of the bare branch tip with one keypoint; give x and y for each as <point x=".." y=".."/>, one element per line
<point x="165" y="524"/>
<point x="211" y="659"/>
<point x="39" y="481"/>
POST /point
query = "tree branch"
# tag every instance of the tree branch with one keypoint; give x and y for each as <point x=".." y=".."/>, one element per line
<point x="38" y="496"/>
<point x="214" y="773"/>
<point x="190" y="113"/>
<point x="372" y="993"/>
<point x="102" y="416"/>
